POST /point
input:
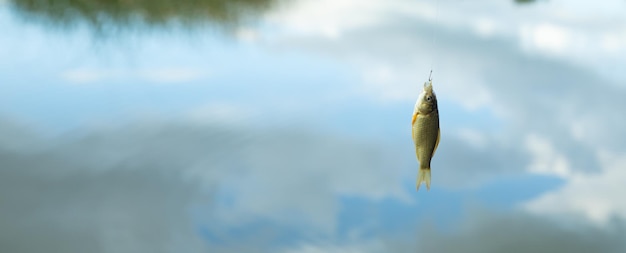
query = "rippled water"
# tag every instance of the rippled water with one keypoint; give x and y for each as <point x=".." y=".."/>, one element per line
<point x="283" y="126"/>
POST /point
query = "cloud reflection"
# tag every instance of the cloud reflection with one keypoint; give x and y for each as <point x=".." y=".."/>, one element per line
<point x="161" y="187"/>
<point x="136" y="188"/>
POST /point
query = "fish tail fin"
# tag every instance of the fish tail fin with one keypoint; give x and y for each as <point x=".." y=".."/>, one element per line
<point x="423" y="176"/>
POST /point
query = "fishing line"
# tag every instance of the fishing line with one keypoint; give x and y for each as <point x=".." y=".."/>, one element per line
<point x="434" y="36"/>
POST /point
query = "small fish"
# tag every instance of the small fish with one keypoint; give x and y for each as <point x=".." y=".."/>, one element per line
<point x="425" y="132"/>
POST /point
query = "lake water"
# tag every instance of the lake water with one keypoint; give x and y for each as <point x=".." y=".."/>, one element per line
<point x="284" y="126"/>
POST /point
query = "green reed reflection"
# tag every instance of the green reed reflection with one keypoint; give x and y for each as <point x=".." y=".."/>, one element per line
<point x="104" y="14"/>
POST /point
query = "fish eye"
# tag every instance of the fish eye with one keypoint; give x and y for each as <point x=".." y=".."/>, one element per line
<point x="428" y="98"/>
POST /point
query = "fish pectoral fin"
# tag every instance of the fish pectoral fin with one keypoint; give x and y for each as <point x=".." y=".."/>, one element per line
<point x="436" y="143"/>
<point x="415" y="114"/>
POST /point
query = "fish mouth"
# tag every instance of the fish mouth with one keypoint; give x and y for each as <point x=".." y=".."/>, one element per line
<point x="428" y="86"/>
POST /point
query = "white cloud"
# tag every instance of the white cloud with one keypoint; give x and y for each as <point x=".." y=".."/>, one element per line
<point x="293" y="178"/>
<point x="247" y="34"/>
<point x="288" y="176"/>
<point x="485" y="26"/>
<point x="135" y="174"/>
<point x="550" y="38"/>
<point x="545" y="159"/>
<point x="567" y="30"/>
<point x="541" y="70"/>
<point x="597" y="196"/>
<point x="303" y="17"/>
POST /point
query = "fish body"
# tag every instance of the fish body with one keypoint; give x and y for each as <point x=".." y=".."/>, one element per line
<point x="426" y="133"/>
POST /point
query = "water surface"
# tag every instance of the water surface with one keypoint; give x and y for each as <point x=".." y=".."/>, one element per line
<point x="283" y="126"/>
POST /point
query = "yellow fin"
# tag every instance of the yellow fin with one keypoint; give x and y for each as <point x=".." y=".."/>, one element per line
<point x="413" y="123"/>
<point x="423" y="175"/>
<point x="436" y="143"/>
